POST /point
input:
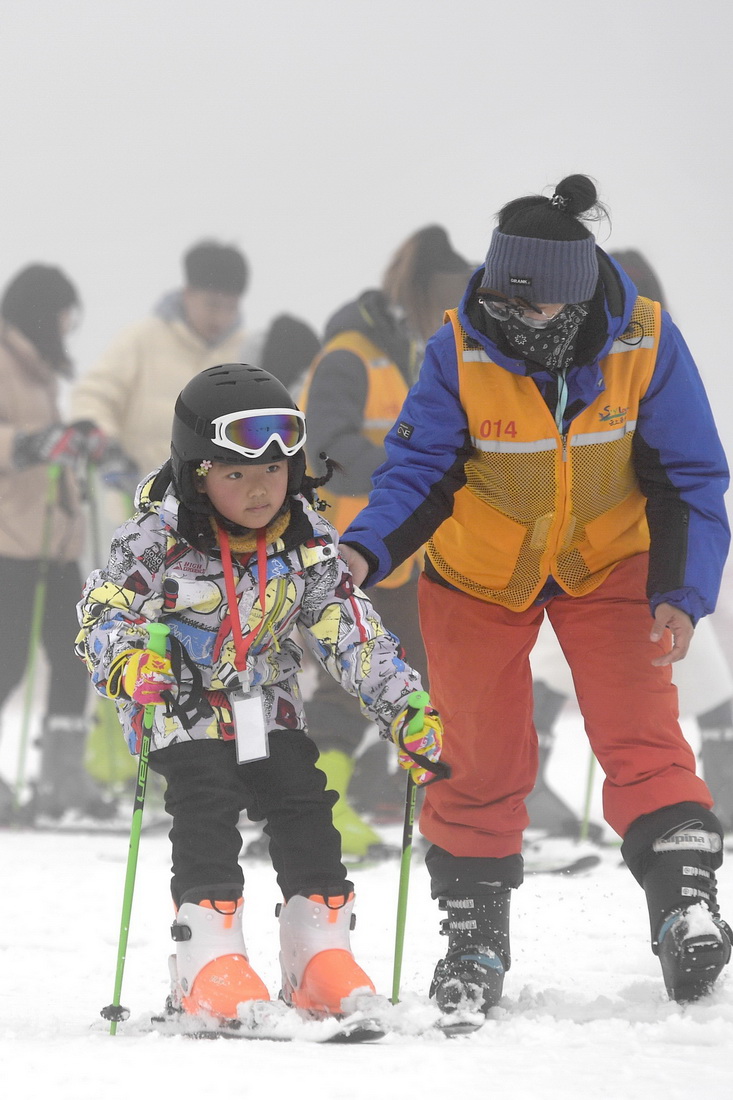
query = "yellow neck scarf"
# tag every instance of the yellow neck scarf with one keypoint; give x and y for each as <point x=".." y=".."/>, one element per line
<point x="246" y="544"/>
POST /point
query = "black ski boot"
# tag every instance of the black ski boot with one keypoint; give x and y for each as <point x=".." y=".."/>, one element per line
<point x="693" y="947"/>
<point x="674" y="854"/>
<point x="475" y="893"/>
<point x="471" y="976"/>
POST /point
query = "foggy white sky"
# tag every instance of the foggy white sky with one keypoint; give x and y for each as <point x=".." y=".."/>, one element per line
<point x="318" y="134"/>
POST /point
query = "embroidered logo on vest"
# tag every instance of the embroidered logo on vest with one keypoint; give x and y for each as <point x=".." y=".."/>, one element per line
<point x="609" y="415"/>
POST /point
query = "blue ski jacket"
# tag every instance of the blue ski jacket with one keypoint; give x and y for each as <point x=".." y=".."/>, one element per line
<point x="677" y="455"/>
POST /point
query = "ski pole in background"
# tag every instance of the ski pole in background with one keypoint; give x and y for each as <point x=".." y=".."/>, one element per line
<point x="585" y="821"/>
<point x="157" y="635"/>
<point x="418" y="701"/>
<point x="39" y="603"/>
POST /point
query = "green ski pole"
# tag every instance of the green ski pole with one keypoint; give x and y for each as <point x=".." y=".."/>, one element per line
<point x="419" y="700"/>
<point x="115" y="1013"/>
<point x="39" y="603"/>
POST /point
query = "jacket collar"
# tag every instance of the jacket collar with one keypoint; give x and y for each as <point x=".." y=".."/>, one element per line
<point x="170" y="309"/>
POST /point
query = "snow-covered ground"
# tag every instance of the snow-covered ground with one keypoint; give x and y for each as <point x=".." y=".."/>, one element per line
<point x="584" y="1012"/>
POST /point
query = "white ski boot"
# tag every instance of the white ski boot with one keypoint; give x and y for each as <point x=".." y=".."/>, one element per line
<point x="320" y="975"/>
<point x="210" y="971"/>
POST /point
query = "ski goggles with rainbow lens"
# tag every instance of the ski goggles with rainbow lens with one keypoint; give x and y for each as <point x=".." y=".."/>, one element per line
<point x="251" y="433"/>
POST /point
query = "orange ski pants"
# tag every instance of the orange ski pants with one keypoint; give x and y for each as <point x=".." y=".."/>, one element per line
<point x="481" y="684"/>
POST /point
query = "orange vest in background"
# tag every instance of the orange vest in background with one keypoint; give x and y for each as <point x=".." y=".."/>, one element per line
<point x="386" y="392"/>
<point x="538" y="504"/>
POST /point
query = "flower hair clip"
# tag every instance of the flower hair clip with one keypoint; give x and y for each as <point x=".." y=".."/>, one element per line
<point x="204" y="467"/>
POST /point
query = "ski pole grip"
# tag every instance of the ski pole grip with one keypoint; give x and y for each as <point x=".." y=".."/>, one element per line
<point x="157" y="638"/>
<point x="417" y="701"/>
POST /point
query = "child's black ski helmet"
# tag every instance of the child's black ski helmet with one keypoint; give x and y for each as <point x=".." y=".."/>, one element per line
<point x="236" y="413"/>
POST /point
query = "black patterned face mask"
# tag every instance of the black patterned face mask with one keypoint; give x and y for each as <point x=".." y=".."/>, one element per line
<point x="552" y="346"/>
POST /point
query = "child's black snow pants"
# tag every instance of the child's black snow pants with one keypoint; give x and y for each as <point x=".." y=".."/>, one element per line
<point x="206" y="790"/>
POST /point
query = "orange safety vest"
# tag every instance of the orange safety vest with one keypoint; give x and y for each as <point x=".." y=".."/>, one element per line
<point x="538" y="504"/>
<point x="386" y="392"/>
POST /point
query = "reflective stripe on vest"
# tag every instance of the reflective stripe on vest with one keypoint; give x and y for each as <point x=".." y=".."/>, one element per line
<point x="536" y="504"/>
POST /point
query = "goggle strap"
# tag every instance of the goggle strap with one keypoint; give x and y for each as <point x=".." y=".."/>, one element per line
<point x="198" y="424"/>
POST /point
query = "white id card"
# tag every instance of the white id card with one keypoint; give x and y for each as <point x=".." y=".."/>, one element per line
<point x="249" y="726"/>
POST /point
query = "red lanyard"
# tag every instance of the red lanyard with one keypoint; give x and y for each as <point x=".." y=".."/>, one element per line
<point x="241" y="644"/>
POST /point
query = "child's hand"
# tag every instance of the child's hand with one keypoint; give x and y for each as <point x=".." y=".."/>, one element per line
<point x="426" y="742"/>
<point x="141" y="675"/>
<point x="147" y="676"/>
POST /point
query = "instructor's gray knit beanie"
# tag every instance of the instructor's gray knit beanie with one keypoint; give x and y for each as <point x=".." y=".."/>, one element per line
<point x="540" y="270"/>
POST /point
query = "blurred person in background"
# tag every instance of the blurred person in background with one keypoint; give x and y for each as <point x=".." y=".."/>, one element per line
<point x="286" y="349"/>
<point x="42" y="530"/>
<point x="372" y="351"/>
<point x="130" y="391"/>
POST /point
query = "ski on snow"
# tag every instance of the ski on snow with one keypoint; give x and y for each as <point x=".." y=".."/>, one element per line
<point x="274" y="1021"/>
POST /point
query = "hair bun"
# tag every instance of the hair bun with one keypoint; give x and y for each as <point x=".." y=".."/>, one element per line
<point x="579" y="193"/>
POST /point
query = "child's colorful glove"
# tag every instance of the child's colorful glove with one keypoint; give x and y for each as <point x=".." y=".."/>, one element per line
<point x="141" y="675"/>
<point x="418" y="733"/>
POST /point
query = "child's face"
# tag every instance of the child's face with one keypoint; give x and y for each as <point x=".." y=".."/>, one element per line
<point x="247" y="495"/>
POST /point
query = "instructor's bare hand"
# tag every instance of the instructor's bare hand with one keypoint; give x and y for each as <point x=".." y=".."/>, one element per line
<point x="357" y="563"/>
<point x="679" y="622"/>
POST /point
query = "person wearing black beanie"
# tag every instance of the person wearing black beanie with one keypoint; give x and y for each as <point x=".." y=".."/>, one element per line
<point x="559" y="457"/>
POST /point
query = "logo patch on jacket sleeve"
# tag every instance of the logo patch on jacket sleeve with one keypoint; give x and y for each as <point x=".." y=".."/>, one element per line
<point x="405" y="430"/>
